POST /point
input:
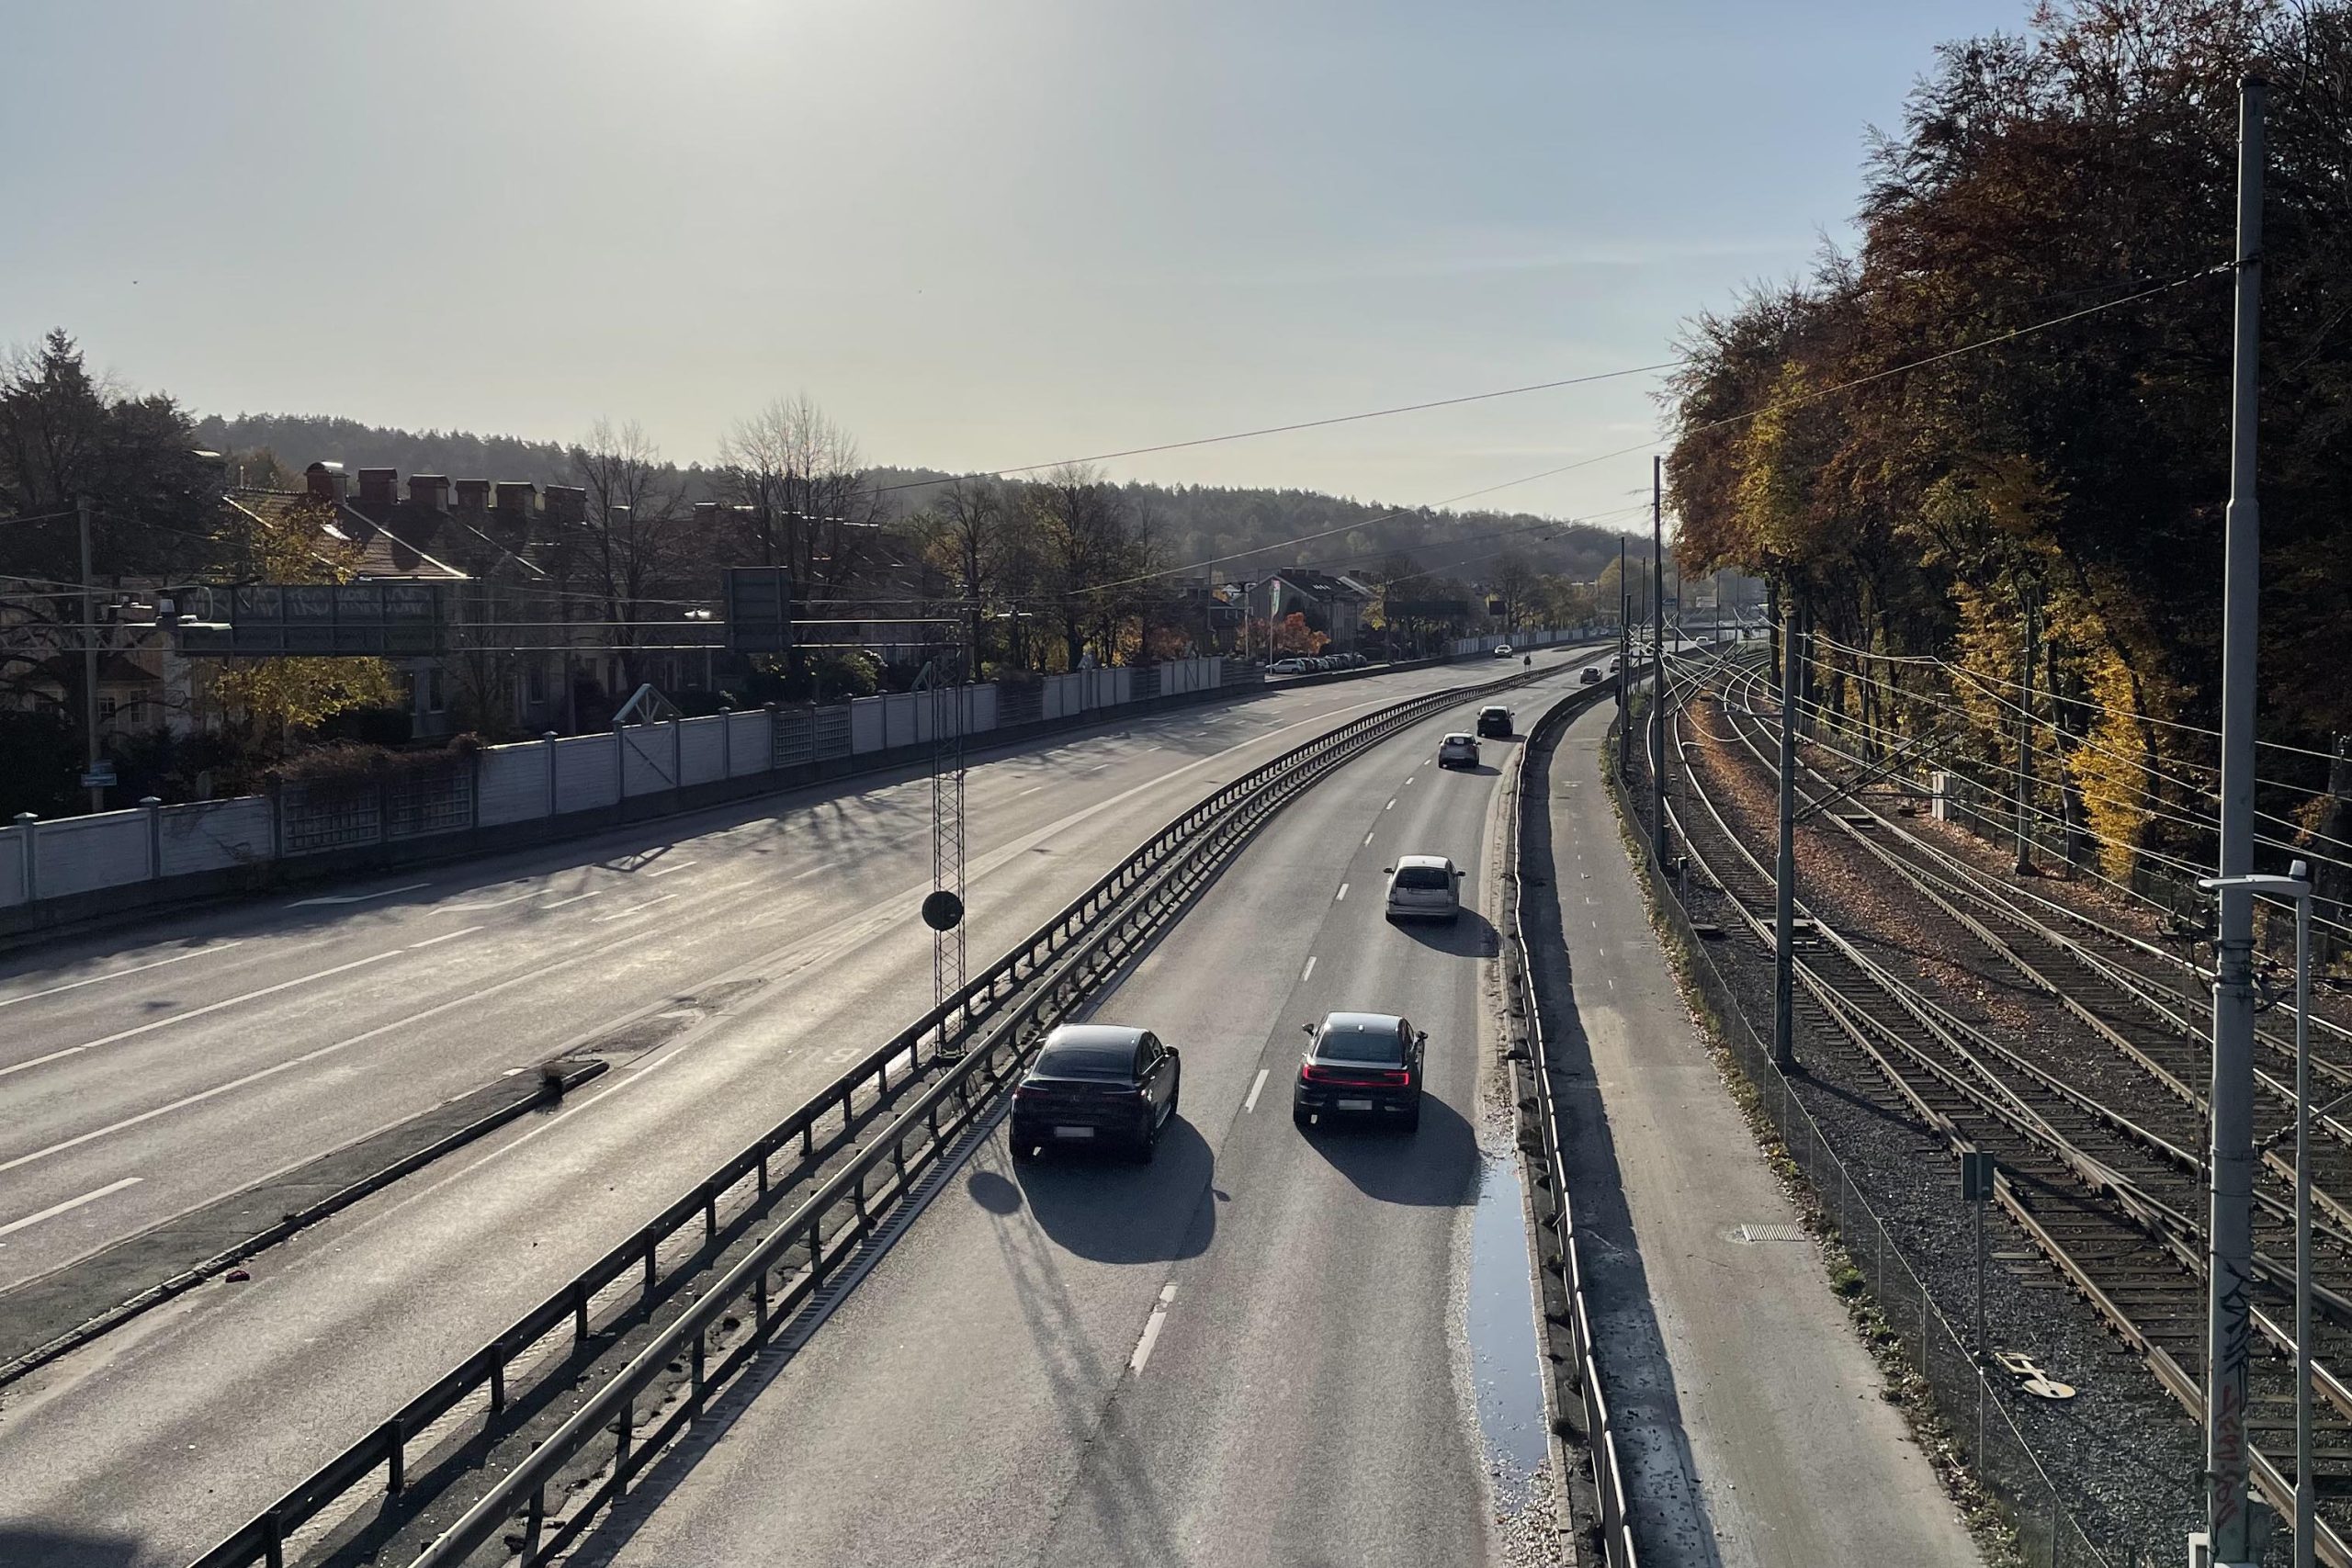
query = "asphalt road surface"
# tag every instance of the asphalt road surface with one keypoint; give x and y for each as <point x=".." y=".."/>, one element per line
<point x="757" y="949"/>
<point x="1251" y="1351"/>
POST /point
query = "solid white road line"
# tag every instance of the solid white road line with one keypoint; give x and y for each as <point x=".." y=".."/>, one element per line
<point x="1151" y="1332"/>
<point x="356" y="897"/>
<point x="445" y="936"/>
<point x="119" y="974"/>
<point x="13" y="1226"/>
<point x="198" y="1012"/>
<point x="635" y="908"/>
<point x="1251" y="1103"/>
<point x="1308" y="970"/>
<point x="593" y="893"/>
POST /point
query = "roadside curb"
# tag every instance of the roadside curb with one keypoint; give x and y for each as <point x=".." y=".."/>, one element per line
<point x="557" y="1078"/>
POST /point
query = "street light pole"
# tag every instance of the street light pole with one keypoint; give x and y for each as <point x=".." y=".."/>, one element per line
<point x="2230" y="1230"/>
<point x="1657" y="661"/>
<point x="1784" y="872"/>
<point x="89" y="658"/>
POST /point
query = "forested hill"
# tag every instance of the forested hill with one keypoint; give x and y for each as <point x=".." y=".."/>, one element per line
<point x="1187" y="523"/>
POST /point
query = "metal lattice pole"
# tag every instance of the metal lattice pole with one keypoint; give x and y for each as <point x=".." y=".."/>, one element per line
<point x="949" y="713"/>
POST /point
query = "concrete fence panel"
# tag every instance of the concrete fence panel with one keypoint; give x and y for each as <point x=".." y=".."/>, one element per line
<point x="649" y="764"/>
<point x="982" y="715"/>
<point x="903" y="714"/>
<point x="515" y="784"/>
<point x="587" y="772"/>
<point x="751" y="746"/>
<point x="81" y="854"/>
<point x="12" y="866"/>
<point x="213" y="835"/>
<point x="702" y="750"/>
<point x="868" y="726"/>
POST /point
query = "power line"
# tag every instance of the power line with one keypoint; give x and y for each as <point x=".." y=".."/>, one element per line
<point x="1298" y="425"/>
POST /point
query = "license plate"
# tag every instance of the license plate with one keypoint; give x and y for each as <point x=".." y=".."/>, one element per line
<point x="1355" y="1105"/>
<point x="1073" y="1131"/>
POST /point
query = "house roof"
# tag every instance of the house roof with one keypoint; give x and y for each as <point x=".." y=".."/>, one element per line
<point x="387" y="550"/>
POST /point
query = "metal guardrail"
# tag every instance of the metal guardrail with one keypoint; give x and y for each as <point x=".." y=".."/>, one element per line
<point x="1601" y="1432"/>
<point x="1068" y="951"/>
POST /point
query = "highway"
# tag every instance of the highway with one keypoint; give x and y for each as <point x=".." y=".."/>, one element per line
<point x="1251" y="1351"/>
<point x="206" y="1052"/>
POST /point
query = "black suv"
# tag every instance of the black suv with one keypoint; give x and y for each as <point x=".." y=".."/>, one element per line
<point x="1094" y="1085"/>
<point x="1495" y="721"/>
<point x="1361" y="1063"/>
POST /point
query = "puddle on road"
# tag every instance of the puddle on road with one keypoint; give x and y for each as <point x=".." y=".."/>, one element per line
<point x="1505" y="1361"/>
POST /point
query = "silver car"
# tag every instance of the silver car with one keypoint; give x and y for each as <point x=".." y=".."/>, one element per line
<point x="1424" y="887"/>
<point x="1458" y="750"/>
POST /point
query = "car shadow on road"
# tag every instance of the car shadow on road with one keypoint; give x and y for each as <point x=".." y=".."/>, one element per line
<point x="1102" y="1207"/>
<point x="66" y="1549"/>
<point x="1471" y="935"/>
<point x="1436" y="1164"/>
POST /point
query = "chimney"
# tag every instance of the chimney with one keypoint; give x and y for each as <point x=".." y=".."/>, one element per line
<point x="707" y="516"/>
<point x="379" y="487"/>
<point x="567" y="503"/>
<point x="516" y="496"/>
<point x="325" y="480"/>
<point x="429" y="491"/>
<point x="473" y="495"/>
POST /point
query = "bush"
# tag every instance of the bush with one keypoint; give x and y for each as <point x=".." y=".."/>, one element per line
<point x="40" y="760"/>
<point x="368" y="726"/>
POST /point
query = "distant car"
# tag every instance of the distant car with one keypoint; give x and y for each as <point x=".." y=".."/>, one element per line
<point x="1095" y="1085"/>
<point x="1424" y="887"/>
<point x="1458" y="750"/>
<point x="1616" y="662"/>
<point x="1360" y="1064"/>
<point x="1495" y="719"/>
<point x="1591" y="677"/>
<point x="1287" y="667"/>
<point x="1502" y="651"/>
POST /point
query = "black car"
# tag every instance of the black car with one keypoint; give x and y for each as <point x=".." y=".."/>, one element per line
<point x="1361" y="1063"/>
<point x="1096" y="1085"/>
<point x="1495" y="721"/>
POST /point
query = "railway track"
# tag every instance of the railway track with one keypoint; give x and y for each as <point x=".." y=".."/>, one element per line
<point x="2082" y="1085"/>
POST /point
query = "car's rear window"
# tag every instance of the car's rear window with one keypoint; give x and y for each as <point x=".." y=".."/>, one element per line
<point x="1087" y="1061"/>
<point x="1375" y="1045"/>
<point x="1422" y="876"/>
<point x="1462" y="740"/>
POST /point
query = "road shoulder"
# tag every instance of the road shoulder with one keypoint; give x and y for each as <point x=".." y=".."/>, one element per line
<point x="1753" y="1423"/>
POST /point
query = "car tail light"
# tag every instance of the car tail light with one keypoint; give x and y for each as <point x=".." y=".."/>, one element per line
<point x="1383" y="1077"/>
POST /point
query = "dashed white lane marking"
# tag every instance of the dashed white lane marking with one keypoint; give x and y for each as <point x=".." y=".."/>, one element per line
<point x="1258" y="1084"/>
<point x="13" y="1226"/>
<point x="1151" y="1332"/>
<point x="592" y="893"/>
<point x="356" y="897"/>
<point x="1343" y="892"/>
<point x="445" y="936"/>
<point x="1031" y="790"/>
<point x="119" y="974"/>
<point x="1391" y="806"/>
<point x="1367" y="838"/>
<point x="812" y="870"/>
<point x="155" y="1024"/>
<point x="1308" y="970"/>
<point x="635" y="908"/>
<point x="674" y="865"/>
<point x="485" y="903"/>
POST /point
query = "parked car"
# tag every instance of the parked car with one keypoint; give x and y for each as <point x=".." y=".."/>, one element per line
<point x="1458" y="750"/>
<point x="1095" y="1085"/>
<point x="1360" y="1064"/>
<point x="1287" y="667"/>
<point x="1502" y="651"/>
<point x="1424" y="887"/>
<point x="1592" y="677"/>
<point x="1495" y="719"/>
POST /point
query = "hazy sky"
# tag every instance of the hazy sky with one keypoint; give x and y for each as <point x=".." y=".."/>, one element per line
<point x="982" y="232"/>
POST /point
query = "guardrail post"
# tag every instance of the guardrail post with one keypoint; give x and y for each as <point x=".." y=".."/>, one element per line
<point x="153" y="806"/>
<point x="700" y="1388"/>
<point x="579" y="1312"/>
<point x="652" y="1265"/>
<point x="395" y="1458"/>
<point x="710" y="1216"/>
<point x="548" y="737"/>
<point x="497" y="1377"/>
<point x="623" y="1431"/>
<point x="759" y="1306"/>
<point x="534" y="1524"/>
<point x="273" y="1540"/>
<point x="817" y="1249"/>
<point x="25" y="823"/>
<point x="726" y="741"/>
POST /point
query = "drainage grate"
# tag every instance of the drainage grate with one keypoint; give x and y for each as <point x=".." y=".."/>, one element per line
<point x="1751" y="1233"/>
